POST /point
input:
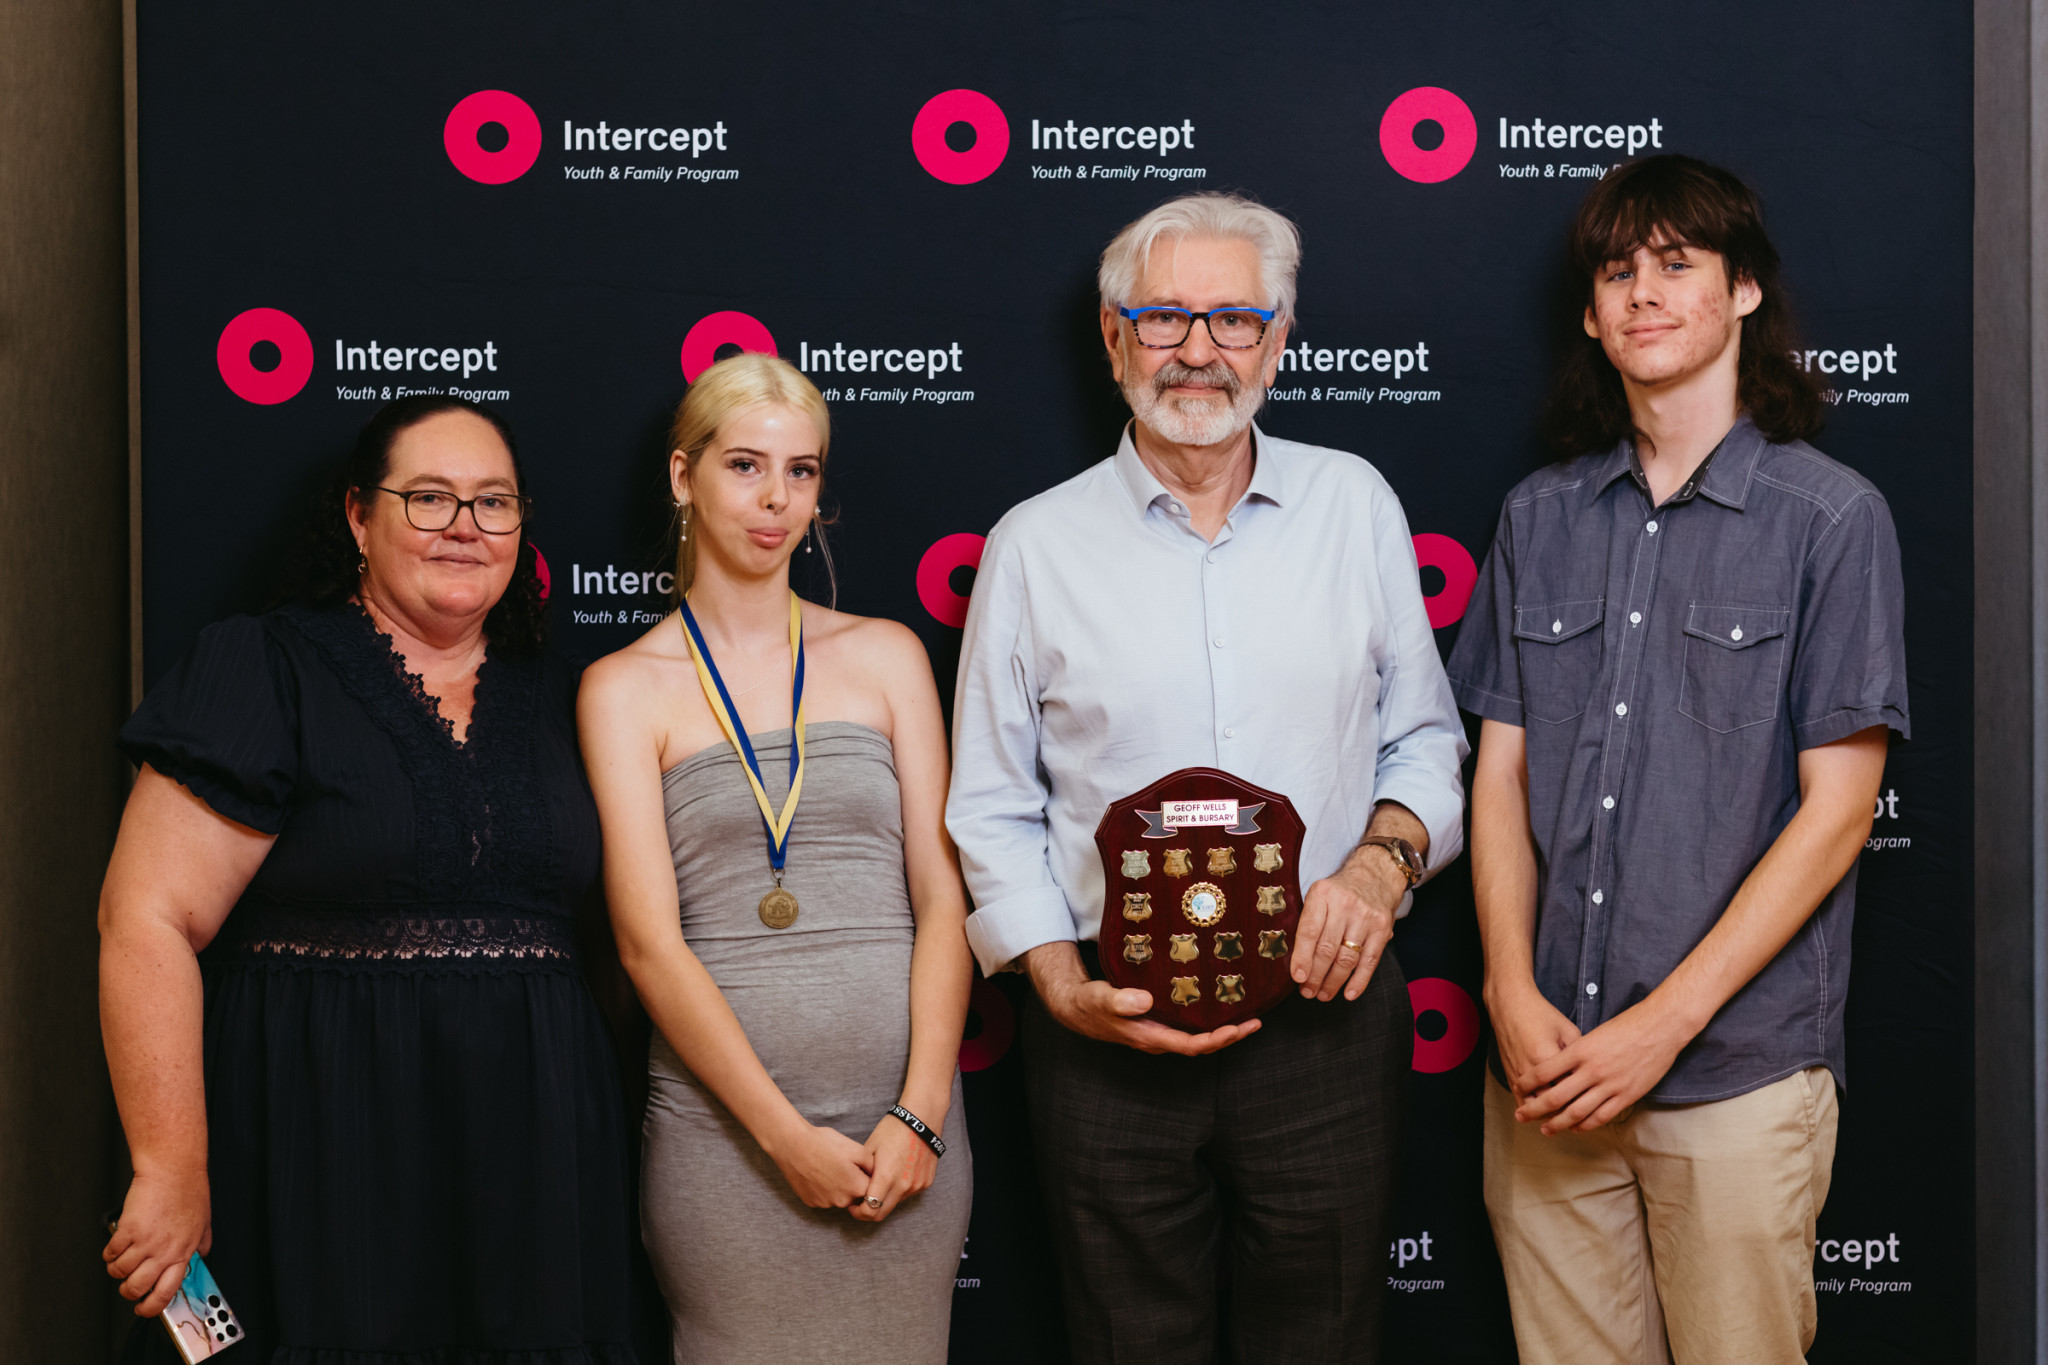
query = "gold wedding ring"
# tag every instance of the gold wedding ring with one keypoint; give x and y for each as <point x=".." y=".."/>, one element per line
<point x="1354" y="947"/>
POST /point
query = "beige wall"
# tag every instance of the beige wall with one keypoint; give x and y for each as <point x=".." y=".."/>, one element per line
<point x="63" y="652"/>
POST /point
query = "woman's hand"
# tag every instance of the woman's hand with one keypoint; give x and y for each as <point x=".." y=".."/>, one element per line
<point x="163" y="1222"/>
<point x="826" y="1168"/>
<point x="902" y="1165"/>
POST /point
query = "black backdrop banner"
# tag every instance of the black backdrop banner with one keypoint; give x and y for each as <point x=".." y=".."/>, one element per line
<point x="568" y="211"/>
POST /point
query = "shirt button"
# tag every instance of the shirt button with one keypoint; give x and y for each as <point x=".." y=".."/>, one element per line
<point x="1178" y="508"/>
<point x="1592" y="989"/>
<point x="1735" y="634"/>
<point x="1229" y="733"/>
<point x="1219" y="642"/>
<point x="1212" y="556"/>
<point x="1597" y="898"/>
<point x="1607" y="803"/>
<point x="1556" y="627"/>
<point x="1635" y="618"/>
<point x="1651" y="528"/>
<point x="1621" y="708"/>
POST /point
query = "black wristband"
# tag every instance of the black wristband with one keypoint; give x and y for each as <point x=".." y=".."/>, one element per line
<point x="919" y="1127"/>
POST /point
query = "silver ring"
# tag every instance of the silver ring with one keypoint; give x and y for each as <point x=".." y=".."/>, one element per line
<point x="873" y="1202"/>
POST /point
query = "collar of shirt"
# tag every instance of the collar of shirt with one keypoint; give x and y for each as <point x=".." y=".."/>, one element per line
<point x="1723" y="476"/>
<point x="1268" y="483"/>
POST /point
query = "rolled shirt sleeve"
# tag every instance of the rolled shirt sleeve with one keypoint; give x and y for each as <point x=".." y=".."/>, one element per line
<point x="1422" y="742"/>
<point x="1484" y="671"/>
<point x="996" y="808"/>
<point x="1849" y="671"/>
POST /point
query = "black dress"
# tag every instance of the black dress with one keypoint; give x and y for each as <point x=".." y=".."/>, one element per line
<point x="416" y="1139"/>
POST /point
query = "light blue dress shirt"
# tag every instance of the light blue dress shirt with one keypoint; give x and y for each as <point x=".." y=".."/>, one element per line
<point x="1108" y="645"/>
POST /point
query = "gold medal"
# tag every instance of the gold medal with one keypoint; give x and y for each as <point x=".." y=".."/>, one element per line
<point x="778" y="909"/>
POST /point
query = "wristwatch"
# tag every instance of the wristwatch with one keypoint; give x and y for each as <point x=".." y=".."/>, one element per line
<point x="1402" y="852"/>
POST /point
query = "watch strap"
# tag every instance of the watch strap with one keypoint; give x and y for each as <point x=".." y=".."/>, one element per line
<point x="1402" y="852"/>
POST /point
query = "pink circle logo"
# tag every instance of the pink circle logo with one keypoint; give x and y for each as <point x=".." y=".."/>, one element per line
<point x="540" y="569"/>
<point x="961" y="550"/>
<point x="1428" y="103"/>
<point x="294" y="350"/>
<point x="977" y="111"/>
<point x="1454" y="561"/>
<point x="1435" y="995"/>
<point x="998" y="1027"/>
<point x="522" y="136"/>
<point x="701" y="343"/>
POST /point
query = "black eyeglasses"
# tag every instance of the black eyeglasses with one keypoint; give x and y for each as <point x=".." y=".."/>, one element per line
<point x="1234" y="329"/>
<point x="435" y="509"/>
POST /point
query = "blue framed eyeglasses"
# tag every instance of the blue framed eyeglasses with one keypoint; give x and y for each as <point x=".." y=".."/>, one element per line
<point x="1234" y="329"/>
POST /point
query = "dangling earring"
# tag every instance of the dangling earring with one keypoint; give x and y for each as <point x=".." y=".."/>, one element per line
<point x="686" y="522"/>
<point x="362" y="562"/>
<point x="807" y="541"/>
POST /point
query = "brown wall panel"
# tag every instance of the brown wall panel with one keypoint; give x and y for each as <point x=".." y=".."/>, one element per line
<point x="64" y="553"/>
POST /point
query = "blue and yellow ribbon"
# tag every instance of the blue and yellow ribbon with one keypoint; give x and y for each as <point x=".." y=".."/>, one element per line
<point x="728" y="717"/>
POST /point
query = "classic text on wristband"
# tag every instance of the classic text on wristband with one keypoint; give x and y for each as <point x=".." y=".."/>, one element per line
<point x="919" y="1127"/>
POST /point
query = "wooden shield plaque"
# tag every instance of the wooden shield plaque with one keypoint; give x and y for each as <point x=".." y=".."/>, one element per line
<point x="1202" y="890"/>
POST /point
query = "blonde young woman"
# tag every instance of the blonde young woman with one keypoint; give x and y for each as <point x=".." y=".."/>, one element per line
<point x="771" y="779"/>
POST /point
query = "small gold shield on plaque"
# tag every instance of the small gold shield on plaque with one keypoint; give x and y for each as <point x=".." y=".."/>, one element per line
<point x="1137" y="949"/>
<point x="1137" y="863"/>
<point x="1229" y="989"/>
<point x="1266" y="857"/>
<point x="1203" y="904"/>
<point x="1137" y="905"/>
<point x="1222" y="861"/>
<point x="1273" y="943"/>
<point x="1186" y="990"/>
<point x="1228" y="946"/>
<point x="1182" y="948"/>
<point x="1272" y="900"/>
<point x="1177" y="864"/>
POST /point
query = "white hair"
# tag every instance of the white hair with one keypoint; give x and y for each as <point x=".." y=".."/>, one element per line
<point x="1227" y="216"/>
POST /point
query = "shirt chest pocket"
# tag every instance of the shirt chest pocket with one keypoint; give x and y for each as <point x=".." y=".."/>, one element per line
<point x="1734" y="665"/>
<point x="1559" y="647"/>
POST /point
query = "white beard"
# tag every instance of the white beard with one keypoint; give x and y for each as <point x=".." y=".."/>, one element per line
<point x="1193" y="421"/>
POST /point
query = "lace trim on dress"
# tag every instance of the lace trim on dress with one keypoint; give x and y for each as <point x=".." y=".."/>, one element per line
<point x="487" y="938"/>
<point x="481" y="817"/>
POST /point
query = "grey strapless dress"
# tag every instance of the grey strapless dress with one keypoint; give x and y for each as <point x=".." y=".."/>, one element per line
<point x="749" y="1272"/>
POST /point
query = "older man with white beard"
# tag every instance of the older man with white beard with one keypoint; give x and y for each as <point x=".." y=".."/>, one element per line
<point x="1208" y="596"/>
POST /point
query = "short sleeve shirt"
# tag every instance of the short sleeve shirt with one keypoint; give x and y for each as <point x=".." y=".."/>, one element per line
<point x="1667" y="665"/>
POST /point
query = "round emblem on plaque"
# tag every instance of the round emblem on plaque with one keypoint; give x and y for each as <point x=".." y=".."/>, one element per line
<point x="1202" y="903"/>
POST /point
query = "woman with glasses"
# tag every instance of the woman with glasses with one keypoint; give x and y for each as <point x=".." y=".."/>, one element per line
<point x="772" y="778"/>
<point x="356" y="1064"/>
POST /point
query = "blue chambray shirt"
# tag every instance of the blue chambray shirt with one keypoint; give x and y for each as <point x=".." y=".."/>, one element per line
<point x="1667" y="665"/>
<point x="1108" y="645"/>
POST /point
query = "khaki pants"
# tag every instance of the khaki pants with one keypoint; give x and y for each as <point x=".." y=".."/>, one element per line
<point x="1692" y="1220"/>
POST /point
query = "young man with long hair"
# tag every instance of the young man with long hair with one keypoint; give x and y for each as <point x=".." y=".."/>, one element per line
<point x="1687" y="657"/>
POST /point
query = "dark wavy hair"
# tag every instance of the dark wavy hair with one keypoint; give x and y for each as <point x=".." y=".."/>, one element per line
<point x="325" y="574"/>
<point x="1686" y="202"/>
